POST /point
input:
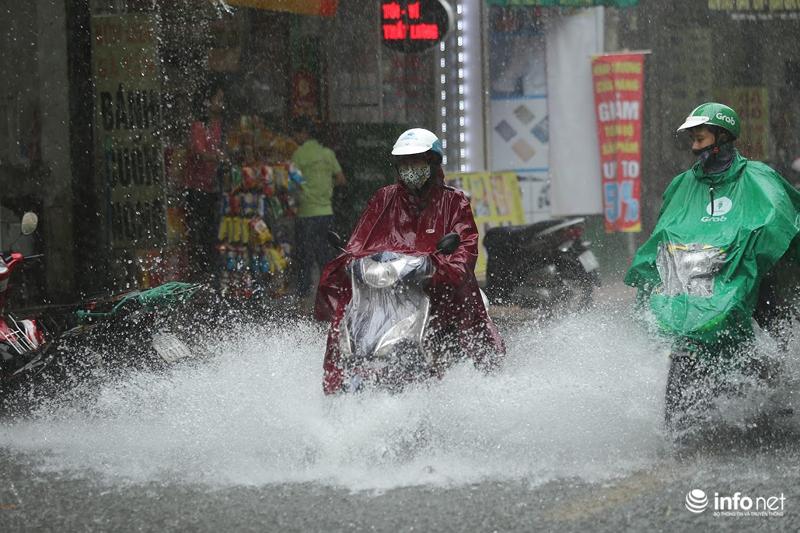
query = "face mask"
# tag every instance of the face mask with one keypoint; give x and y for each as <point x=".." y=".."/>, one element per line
<point x="414" y="177"/>
<point x="704" y="154"/>
<point x="715" y="158"/>
<point x="701" y="151"/>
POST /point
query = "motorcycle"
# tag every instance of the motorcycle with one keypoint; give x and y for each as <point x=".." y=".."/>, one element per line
<point x="546" y="266"/>
<point x="18" y="337"/>
<point x="700" y="375"/>
<point x="139" y="329"/>
<point x="384" y="338"/>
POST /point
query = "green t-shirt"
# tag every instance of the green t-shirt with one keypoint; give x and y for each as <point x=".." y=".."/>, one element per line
<point x="318" y="166"/>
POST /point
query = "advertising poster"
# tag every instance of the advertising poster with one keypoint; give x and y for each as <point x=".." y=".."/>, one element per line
<point x="520" y="133"/>
<point x="129" y="152"/>
<point x="618" y="81"/>
<point x="535" y="189"/>
<point x="495" y="200"/>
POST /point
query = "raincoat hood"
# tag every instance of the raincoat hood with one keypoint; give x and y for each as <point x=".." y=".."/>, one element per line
<point x="716" y="237"/>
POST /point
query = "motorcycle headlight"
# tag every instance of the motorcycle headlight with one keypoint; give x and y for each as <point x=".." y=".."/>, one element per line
<point x="380" y="275"/>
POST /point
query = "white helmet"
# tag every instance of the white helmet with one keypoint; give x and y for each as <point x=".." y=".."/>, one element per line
<point x="418" y="141"/>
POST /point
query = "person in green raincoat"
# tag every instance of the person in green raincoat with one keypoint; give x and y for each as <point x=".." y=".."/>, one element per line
<point x="724" y="224"/>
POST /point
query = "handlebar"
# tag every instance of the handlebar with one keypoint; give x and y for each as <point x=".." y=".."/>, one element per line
<point x="16" y="256"/>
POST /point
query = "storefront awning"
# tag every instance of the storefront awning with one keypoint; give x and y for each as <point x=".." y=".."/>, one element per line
<point x="324" y="8"/>
<point x="563" y="3"/>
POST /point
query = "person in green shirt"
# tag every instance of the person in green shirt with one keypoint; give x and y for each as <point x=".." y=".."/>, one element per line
<point x="321" y="173"/>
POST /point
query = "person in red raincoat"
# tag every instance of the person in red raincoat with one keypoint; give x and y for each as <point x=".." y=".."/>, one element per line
<point x="410" y="217"/>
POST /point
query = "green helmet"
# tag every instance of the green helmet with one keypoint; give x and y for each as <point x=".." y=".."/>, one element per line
<point x="713" y="114"/>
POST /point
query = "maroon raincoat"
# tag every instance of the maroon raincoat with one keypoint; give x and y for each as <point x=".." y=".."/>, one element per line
<point x="400" y="221"/>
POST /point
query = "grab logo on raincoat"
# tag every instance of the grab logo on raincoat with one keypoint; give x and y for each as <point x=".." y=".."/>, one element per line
<point x="721" y="207"/>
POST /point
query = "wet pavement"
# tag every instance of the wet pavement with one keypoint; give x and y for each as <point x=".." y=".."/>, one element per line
<point x="650" y="500"/>
<point x="568" y="437"/>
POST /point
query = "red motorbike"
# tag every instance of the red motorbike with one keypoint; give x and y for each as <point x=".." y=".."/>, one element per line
<point x="18" y="337"/>
<point x="88" y="341"/>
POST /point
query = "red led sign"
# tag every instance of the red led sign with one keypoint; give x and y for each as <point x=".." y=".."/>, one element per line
<point x="392" y="10"/>
<point x="424" y="31"/>
<point x="414" y="25"/>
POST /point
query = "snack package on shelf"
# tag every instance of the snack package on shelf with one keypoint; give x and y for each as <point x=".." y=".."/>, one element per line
<point x="259" y="232"/>
<point x="261" y="189"/>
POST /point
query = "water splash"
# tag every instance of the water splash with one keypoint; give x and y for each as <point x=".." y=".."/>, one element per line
<point x="581" y="397"/>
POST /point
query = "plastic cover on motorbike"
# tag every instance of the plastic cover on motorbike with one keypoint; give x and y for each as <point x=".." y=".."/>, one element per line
<point x="399" y="221"/>
<point x="715" y="239"/>
<point x="369" y="324"/>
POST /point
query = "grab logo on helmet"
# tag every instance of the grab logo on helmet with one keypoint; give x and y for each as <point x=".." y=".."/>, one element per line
<point x="726" y="118"/>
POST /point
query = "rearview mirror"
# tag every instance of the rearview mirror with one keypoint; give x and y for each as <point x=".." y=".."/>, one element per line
<point x="449" y="243"/>
<point x="335" y="240"/>
<point x="29" y="223"/>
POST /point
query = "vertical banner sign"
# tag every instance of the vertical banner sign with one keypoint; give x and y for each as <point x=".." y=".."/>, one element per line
<point x="128" y="150"/>
<point x="618" y="81"/>
<point x="495" y="199"/>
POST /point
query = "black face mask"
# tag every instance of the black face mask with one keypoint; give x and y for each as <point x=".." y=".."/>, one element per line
<point x="705" y="150"/>
<point x="715" y="158"/>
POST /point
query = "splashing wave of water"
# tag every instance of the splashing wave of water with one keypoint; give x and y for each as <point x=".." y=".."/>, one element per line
<point x="582" y="397"/>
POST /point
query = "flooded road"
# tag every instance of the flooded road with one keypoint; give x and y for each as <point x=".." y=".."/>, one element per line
<point x="567" y="436"/>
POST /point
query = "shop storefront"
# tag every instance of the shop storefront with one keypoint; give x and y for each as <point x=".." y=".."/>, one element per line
<point x="96" y="112"/>
<point x="155" y="67"/>
<point x="327" y="60"/>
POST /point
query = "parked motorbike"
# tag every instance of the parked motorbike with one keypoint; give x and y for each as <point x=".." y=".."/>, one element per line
<point x="384" y="337"/>
<point x="546" y="266"/>
<point x="18" y="336"/>
<point x="142" y="330"/>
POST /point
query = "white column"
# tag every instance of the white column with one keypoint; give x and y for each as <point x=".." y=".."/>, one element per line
<point x="469" y="15"/>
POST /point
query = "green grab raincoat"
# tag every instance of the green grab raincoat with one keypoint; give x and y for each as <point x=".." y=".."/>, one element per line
<point x="716" y="237"/>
